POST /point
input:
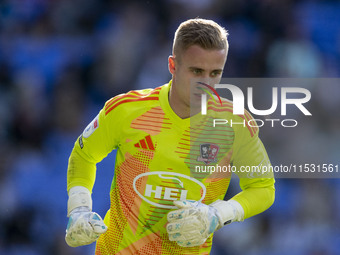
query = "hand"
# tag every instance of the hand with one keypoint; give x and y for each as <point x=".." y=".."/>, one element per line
<point x="84" y="227"/>
<point x="192" y="223"/>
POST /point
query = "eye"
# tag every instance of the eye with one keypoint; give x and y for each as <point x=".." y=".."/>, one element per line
<point x="215" y="73"/>
<point x="196" y="71"/>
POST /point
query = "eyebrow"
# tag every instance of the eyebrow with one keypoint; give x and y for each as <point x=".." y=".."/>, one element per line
<point x="195" y="68"/>
<point x="200" y="69"/>
<point x="218" y="70"/>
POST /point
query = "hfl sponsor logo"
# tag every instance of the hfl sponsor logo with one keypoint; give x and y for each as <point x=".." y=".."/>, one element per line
<point x="169" y="193"/>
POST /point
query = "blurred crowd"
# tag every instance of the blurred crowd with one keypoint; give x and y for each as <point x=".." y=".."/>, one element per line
<point x="61" y="60"/>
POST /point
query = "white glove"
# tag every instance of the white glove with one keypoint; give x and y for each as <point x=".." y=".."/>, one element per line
<point x="194" y="222"/>
<point x="84" y="227"/>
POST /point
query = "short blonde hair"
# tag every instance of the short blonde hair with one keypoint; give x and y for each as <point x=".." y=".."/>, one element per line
<point x="202" y="32"/>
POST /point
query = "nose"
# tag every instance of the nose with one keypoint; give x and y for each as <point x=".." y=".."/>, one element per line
<point x="205" y="78"/>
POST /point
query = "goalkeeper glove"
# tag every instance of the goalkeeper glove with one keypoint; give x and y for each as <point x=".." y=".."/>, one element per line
<point x="84" y="227"/>
<point x="194" y="222"/>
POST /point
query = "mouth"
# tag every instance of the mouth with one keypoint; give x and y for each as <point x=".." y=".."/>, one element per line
<point x="199" y="91"/>
<point x="196" y="94"/>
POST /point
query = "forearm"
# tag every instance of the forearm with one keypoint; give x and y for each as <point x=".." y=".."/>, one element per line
<point x="80" y="172"/>
<point x="255" y="200"/>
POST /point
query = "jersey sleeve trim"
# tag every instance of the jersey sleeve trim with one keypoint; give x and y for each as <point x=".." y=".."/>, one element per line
<point x="132" y="96"/>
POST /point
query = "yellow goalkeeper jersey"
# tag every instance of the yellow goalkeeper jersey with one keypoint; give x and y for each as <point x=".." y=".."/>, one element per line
<point x="162" y="158"/>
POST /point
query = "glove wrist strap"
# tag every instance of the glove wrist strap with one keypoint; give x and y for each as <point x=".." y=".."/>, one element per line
<point x="79" y="197"/>
<point x="80" y="209"/>
<point x="228" y="211"/>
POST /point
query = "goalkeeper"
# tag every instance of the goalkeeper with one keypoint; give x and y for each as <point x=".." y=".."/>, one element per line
<point x="159" y="203"/>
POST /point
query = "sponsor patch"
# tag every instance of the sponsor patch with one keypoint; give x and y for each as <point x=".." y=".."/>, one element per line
<point x="91" y="127"/>
<point x="81" y="144"/>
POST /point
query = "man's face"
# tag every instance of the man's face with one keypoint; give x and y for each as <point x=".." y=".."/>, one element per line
<point x="193" y="65"/>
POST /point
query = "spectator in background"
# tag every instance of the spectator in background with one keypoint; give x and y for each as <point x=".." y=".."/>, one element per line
<point x="40" y="41"/>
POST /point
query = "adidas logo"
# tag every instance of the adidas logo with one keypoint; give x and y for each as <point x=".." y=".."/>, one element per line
<point x="145" y="143"/>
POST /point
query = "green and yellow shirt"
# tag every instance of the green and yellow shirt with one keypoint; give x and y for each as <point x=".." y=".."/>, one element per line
<point x="162" y="158"/>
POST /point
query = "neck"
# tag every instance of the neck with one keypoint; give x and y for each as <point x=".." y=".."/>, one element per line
<point x="181" y="109"/>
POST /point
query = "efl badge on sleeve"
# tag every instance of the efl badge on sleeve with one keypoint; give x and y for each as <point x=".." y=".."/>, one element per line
<point x="91" y="127"/>
<point x="208" y="153"/>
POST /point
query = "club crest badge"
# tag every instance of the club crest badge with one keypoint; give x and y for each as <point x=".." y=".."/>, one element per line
<point x="208" y="153"/>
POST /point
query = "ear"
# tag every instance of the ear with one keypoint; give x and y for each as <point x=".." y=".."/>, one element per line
<point x="171" y="64"/>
